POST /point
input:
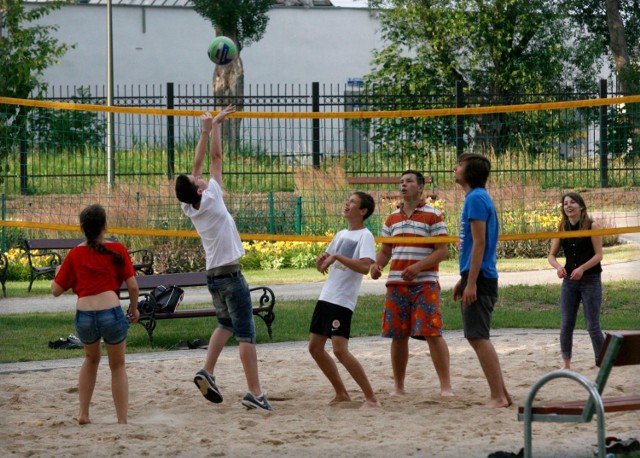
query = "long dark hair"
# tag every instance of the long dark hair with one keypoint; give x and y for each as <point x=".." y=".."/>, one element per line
<point x="93" y="219"/>
<point x="585" y="221"/>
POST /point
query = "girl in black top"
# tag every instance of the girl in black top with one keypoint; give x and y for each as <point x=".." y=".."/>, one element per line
<point x="580" y="276"/>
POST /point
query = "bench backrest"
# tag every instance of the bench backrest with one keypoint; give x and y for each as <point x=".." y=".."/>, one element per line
<point x="146" y="282"/>
<point x="382" y="180"/>
<point x="55" y="244"/>
<point x="52" y="244"/>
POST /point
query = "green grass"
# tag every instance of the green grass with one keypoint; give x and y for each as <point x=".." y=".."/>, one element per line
<point x="617" y="253"/>
<point x="24" y="337"/>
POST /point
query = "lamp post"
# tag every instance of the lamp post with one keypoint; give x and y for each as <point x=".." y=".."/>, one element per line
<point x="111" y="163"/>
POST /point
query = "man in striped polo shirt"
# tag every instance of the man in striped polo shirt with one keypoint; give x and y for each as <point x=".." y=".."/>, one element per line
<point x="412" y="304"/>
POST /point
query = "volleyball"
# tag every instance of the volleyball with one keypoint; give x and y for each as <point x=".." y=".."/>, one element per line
<point x="222" y="50"/>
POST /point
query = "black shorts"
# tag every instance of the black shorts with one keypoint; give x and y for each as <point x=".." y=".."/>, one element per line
<point x="331" y="320"/>
<point x="476" y="318"/>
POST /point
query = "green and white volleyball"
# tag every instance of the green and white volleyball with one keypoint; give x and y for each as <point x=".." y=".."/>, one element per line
<point x="222" y="50"/>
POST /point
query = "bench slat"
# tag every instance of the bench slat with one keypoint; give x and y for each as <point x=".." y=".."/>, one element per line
<point x="52" y="244"/>
<point x="146" y="282"/>
<point x="201" y="313"/>
<point x="381" y="180"/>
<point x="617" y="404"/>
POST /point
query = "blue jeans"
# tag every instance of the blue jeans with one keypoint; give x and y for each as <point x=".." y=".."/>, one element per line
<point x="589" y="291"/>
<point x="232" y="300"/>
<point x="111" y="324"/>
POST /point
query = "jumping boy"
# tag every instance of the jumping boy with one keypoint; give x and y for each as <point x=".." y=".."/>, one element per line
<point x="202" y="202"/>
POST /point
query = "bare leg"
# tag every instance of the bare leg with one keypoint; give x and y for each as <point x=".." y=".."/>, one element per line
<point x="566" y="364"/>
<point x="328" y="367"/>
<point x="399" y="361"/>
<point x="440" y="357"/>
<point x="249" y="359"/>
<point x="87" y="379"/>
<point x="353" y="366"/>
<point x="217" y="342"/>
<point x="491" y="367"/>
<point x="119" y="380"/>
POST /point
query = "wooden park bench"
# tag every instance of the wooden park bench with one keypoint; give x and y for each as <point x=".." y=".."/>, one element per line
<point x="4" y="274"/>
<point x="620" y="349"/>
<point x="395" y="180"/>
<point x="149" y="317"/>
<point x="37" y="249"/>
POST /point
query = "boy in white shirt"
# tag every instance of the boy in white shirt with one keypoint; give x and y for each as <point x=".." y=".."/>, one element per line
<point x="202" y="201"/>
<point x="347" y="258"/>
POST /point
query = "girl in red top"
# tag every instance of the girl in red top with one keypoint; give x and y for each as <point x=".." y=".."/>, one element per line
<point x="94" y="270"/>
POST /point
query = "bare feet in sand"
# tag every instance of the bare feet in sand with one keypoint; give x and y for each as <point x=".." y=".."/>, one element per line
<point x="338" y="399"/>
<point x="370" y="404"/>
<point x="501" y="403"/>
<point x="82" y="420"/>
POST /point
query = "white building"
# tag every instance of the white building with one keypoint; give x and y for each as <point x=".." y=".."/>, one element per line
<point x="156" y="41"/>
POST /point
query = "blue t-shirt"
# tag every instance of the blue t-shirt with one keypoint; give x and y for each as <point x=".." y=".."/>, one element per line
<point x="479" y="206"/>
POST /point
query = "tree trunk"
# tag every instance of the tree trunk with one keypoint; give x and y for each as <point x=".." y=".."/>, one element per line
<point x="618" y="43"/>
<point x="628" y="84"/>
<point x="228" y="89"/>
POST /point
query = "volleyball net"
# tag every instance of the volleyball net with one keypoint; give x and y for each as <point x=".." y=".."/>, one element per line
<point x="288" y="174"/>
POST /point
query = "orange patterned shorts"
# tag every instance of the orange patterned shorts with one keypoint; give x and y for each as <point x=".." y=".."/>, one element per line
<point x="412" y="310"/>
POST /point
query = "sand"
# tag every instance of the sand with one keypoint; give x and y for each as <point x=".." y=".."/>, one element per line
<point x="169" y="417"/>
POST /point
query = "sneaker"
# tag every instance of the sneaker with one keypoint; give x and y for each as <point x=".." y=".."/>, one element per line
<point x="252" y="402"/>
<point x="207" y="385"/>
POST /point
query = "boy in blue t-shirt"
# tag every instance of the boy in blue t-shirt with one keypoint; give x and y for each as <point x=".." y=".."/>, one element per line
<point x="478" y="287"/>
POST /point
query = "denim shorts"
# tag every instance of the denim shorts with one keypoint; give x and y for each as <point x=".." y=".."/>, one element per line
<point x="111" y="324"/>
<point x="232" y="300"/>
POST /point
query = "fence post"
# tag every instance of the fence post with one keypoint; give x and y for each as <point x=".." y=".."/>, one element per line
<point x="272" y="226"/>
<point x="459" y="118"/>
<point x="315" y="107"/>
<point x="3" y="241"/>
<point x="298" y="215"/>
<point x="604" y="137"/>
<point x="24" y="172"/>
<point x="171" y="134"/>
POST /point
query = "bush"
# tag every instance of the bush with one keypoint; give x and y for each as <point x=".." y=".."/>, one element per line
<point x="179" y="255"/>
<point x="264" y="255"/>
<point x="18" y="269"/>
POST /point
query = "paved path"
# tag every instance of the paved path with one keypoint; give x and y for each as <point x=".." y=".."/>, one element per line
<point x="619" y="271"/>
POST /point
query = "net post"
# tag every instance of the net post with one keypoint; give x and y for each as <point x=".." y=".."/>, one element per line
<point x="171" y="135"/>
<point x="315" y="107"/>
<point x="604" y="140"/>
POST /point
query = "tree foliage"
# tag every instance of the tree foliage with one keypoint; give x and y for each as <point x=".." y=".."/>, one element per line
<point x="614" y="28"/>
<point x="245" y="21"/>
<point x="26" y="50"/>
<point x="501" y="49"/>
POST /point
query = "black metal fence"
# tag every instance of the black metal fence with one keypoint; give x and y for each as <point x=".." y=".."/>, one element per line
<point x="583" y="135"/>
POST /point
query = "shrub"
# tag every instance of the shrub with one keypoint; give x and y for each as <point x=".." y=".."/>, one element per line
<point x="18" y="268"/>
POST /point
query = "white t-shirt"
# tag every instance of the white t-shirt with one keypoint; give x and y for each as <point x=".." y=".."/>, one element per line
<point x="343" y="284"/>
<point x="216" y="227"/>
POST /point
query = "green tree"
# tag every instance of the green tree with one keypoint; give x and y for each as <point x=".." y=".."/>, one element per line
<point x="26" y="50"/>
<point x="500" y="48"/>
<point x="614" y="27"/>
